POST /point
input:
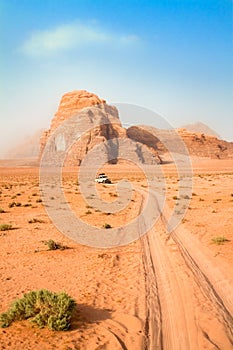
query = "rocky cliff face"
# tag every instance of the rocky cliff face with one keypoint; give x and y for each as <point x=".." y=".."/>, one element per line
<point x="101" y="132"/>
<point x="83" y="110"/>
<point x="198" y="144"/>
<point x="202" y="145"/>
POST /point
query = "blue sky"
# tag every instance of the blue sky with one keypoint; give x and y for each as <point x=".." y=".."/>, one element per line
<point x="174" y="57"/>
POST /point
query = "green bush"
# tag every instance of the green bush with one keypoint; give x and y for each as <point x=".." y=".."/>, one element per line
<point x="35" y="220"/>
<point x="42" y="307"/>
<point x="5" y="227"/>
<point x="52" y="245"/>
<point x="219" y="240"/>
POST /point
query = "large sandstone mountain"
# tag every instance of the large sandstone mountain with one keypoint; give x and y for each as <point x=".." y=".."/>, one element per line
<point x="93" y="125"/>
<point x="98" y="123"/>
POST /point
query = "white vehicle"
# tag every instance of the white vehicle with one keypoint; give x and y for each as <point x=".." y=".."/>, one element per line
<point x="102" y="178"/>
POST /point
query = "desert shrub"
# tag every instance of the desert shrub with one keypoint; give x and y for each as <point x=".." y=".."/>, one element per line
<point x="11" y="205"/>
<point x="52" y="245"/>
<point x="5" y="227"/>
<point x="14" y="204"/>
<point x="107" y="226"/>
<point x="39" y="200"/>
<point x="88" y="212"/>
<point x="42" y="307"/>
<point x="219" y="240"/>
<point x="34" y="220"/>
<point x="113" y="194"/>
<point x="2" y="211"/>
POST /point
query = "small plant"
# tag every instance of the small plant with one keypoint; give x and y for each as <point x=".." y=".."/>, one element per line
<point x="34" y="220"/>
<point x="12" y="204"/>
<point x="42" y="307"/>
<point x="219" y="240"/>
<point x="175" y="198"/>
<point x="88" y="212"/>
<point x="2" y="211"/>
<point x="52" y="245"/>
<point x="107" y="226"/>
<point x="39" y="200"/>
<point x="34" y="194"/>
<point x="113" y="194"/>
<point x="27" y="205"/>
<point x="186" y="196"/>
<point x="5" y="227"/>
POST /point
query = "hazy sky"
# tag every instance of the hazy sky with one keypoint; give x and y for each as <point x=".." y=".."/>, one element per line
<point x="172" y="56"/>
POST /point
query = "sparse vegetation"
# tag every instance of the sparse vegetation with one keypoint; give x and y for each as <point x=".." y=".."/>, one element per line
<point x="52" y="245"/>
<point x="107" y="226"/>
<point x="5" y="227"/>
<point x="42" y="307"/>
<point x="35" y="220"/>
<point x="113" y="194"/>
<point x="219" y="240"/>
<point x="88" y="212"/>
<point x="2" y="211"/>
<point x="39" y="200"/>
<point x="14" y="204"/>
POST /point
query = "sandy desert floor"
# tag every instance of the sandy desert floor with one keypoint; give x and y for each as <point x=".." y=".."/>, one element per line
<point x="160" y="292"/>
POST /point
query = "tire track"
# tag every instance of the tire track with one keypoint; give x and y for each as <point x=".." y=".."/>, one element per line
<point x="178" y="315"/>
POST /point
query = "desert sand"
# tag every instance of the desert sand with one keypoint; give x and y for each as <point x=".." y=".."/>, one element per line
<point x="164" y="291"/>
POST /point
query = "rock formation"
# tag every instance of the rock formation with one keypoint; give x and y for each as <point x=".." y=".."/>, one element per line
<point x="82" y="110"/>
<point x="93" y="125"/>
<point x="202" y="145"/>
<point x="200" y="128"/>
<point x="198" y="144"/>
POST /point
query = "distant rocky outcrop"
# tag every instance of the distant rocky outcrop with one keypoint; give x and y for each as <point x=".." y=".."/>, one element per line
<point x="203" y="145"/>
<point x="198" y="144"/>
<point x="28" y="148"/>
<point x="201" y="128"/>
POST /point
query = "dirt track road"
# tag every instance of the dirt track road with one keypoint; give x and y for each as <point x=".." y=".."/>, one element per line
<point x="189" y="298"/>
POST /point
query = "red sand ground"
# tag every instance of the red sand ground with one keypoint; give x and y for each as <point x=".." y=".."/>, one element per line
<point x="133" y="297"/>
